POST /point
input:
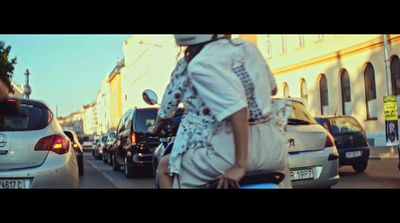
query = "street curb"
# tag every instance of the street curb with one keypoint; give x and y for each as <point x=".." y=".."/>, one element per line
<point x="383" y="157"/>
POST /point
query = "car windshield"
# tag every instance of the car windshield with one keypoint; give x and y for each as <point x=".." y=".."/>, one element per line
<point x="344" y="125"/>
<point x="30" y="117"/>
<point x="145" y="119"/>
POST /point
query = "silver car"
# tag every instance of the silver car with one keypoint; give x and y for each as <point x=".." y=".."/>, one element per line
<point x="313" y="157"/>
<point x="34" y="151"/>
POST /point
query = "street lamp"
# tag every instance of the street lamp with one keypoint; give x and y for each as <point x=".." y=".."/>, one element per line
<point x="27" y="88"/>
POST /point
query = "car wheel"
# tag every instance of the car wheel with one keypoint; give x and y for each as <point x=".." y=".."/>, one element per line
<point x="80" y="165"/>
<point x="129" y="170"/>
<point x="105" y="160"/>
<point x="110" y="157"/>
<point x="360" y="167"/>
<point x="115" y="165"/>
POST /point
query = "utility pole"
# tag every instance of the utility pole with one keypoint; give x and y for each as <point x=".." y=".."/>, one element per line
<point x="388" y="75"/>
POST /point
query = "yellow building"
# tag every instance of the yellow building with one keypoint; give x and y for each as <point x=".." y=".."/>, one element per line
<point x="336" y="74"/>
<point x="114" y="81"/>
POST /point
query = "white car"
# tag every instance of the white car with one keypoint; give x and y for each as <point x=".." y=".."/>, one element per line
<point x="34" y="151"/>
<point x="313" y="156"/>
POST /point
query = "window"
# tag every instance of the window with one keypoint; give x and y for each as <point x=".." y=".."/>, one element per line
<point x="286" y="90"/>
<point x="304" y="91"/>
<point x="301" y="40"/>
<point x="269" y="46"/>
<point x="395" y="72"/>
<point x="284" y="44"/>
<point x="346" y="93"/>
<point x="323" y="90"/>
<point x="370" y="91"/>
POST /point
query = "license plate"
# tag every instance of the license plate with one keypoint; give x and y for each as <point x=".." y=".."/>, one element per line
<point x="12" y="184"/>
<point x="303" y="174"/>
<point x="353" y="154"/>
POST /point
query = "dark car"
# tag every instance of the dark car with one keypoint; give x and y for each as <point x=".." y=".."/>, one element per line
<point x="350" y="139"/>
<point x="108" y="147"/>
<point x="77" y="149"/>
<point x="134" y="147"/>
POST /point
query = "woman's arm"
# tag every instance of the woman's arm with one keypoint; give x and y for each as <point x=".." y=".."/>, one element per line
<point x="240" y="128"/>
<point x="158" y="125"/>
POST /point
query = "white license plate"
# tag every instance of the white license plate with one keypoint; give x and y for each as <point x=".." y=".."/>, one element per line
<point x="303" y="174"/>
<point x="12" y="184"/>
<point x="353" y="154"/>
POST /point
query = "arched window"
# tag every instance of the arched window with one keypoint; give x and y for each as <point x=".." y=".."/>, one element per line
<point x="395" y="72"/>
<point x="286" y="92"/>
<point x="323" y="90"/>
<point x="304" y="90"/>
<point x="346" y="93"/>
<point x="370" y="91"/>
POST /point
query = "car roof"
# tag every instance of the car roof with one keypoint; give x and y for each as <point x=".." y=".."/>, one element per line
<point x="31" y="102"/>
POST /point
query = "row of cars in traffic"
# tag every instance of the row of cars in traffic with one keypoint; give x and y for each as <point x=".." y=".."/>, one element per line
<point x="36" y="152"/>
<point x="317" y="146"/>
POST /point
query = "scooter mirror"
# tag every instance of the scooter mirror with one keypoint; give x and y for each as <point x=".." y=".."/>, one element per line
<point x="150" y="97"/>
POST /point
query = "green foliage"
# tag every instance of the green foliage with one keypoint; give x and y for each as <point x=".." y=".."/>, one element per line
<point x="6" y="65"/>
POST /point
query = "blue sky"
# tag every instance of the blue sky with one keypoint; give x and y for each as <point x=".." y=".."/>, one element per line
<point x="66" y="70"/>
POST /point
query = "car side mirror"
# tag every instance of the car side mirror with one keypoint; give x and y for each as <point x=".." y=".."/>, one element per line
<point x="150" y="97"/>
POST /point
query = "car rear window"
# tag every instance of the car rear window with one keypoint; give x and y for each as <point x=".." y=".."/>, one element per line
<point x="70" y="136"/>
<point x="299" y="112"/>
<point x="31" y="117"/>
<point x="344" y="125"/>
<point x="145" y="119"/>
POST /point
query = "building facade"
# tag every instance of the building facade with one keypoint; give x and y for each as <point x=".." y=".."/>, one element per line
<point x="149" y="61"/>
<point x="114" y="81"/>
<point x="336" y="74"/>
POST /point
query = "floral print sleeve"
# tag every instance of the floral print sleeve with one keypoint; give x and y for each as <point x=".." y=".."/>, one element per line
<point x="173" y="92"/>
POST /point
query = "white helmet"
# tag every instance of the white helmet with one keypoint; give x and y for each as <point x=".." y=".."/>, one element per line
<point x="193" y="39"/>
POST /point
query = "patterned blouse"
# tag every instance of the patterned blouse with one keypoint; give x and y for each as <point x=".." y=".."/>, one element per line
<point x="222" y="79"/>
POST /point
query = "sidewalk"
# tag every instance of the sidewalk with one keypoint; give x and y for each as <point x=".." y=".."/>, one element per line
<point x="382" y="153"/>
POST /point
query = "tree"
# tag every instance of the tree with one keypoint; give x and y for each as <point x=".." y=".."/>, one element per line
<point x="6" y="66"/>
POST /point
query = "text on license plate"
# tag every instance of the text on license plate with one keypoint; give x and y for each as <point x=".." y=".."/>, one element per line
<point x="353" y="154"/>
<point x="301" y="174"/>
<point x="12" y="184"/>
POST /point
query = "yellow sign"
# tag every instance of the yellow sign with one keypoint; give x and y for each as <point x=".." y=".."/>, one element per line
<point x="390" y="108"/>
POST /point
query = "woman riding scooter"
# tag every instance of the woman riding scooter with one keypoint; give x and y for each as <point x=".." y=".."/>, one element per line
<point x="225" y="86"/>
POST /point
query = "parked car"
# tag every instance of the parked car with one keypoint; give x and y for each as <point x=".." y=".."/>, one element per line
<point x="108" y="146"/>
<point x="350" y="139"/>
<point x="87" y="143"/>
<point x="34" y="151"/>
<point x="101" y="143"/>
<point x="133" y="148"/>
<point x="77" y="149"/>
<point x="313" y="156"/>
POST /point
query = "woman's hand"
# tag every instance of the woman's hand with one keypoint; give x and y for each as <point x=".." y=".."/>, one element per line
<point x="232" y="177"/>
<point x="152" y="130"/>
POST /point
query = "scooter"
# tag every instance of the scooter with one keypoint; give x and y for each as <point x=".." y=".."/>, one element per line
<point x="252" y="180"/>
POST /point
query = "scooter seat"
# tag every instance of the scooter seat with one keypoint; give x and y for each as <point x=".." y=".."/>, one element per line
<point x="256" y="177"/>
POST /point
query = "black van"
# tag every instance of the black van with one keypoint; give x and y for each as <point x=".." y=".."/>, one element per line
<point x="133" y="148"/>
<point x="350" y="139"/>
